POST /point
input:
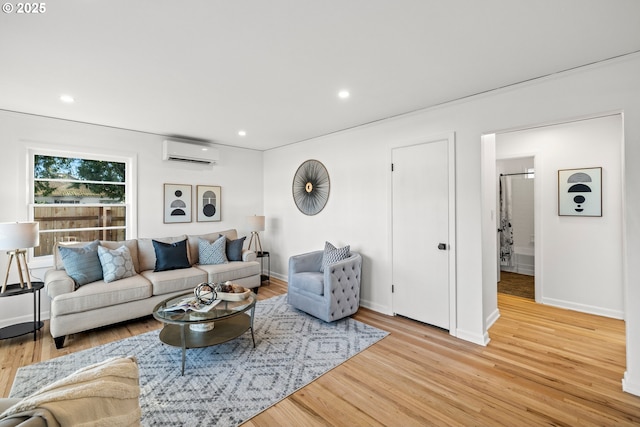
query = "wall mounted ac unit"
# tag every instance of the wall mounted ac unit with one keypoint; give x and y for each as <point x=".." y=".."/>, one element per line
<point x="187" y="152"/>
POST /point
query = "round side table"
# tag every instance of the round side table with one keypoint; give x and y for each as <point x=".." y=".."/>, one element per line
<point x="18" y="329"/>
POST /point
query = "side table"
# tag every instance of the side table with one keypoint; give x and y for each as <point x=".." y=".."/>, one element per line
<point x="18" y="329"/>
<point x="262" y="255"/>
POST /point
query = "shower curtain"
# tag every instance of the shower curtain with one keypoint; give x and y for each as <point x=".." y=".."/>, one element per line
<point x="506" y="231"/>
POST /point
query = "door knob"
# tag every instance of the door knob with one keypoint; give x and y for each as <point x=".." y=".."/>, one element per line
<point x="442" y="246"/>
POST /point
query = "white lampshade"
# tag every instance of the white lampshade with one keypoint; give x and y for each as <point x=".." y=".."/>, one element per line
<point x="256" y="223"/>
<point x="19" y="235"/>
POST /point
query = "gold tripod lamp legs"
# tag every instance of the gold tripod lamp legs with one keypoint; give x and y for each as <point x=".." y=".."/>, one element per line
<point x="257" y="245"/>
<point x="17" y="254"/>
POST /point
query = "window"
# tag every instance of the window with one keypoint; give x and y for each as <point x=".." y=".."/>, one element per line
<point x="79" y="199"/>
<point x="530" y="173"/>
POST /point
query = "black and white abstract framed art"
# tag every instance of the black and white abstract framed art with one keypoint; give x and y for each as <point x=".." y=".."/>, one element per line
<point x="177" y="203"/>
<point x="580" y="192"/>
<point x="310" y="187"/>
<point x="208" y="201"/>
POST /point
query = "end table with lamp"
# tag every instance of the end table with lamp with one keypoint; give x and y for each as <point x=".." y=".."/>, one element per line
<point x="15" y="237"/>
<point x="256" y="224"/>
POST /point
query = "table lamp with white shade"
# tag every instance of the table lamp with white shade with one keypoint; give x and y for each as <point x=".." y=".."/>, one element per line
<point x="15" y="238"/>
<point x="256" y="224"/>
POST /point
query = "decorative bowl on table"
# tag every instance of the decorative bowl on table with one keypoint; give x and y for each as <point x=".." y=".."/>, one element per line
<point x="231" y="292"/>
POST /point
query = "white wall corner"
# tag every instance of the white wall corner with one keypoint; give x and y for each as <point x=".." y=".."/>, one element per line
<point x="491" y="319"/>
<point x="629" y="385"/>
<point x="480" y="339"/>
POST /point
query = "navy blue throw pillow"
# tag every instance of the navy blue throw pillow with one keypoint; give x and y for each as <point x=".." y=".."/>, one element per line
<point x="171" y="256"/>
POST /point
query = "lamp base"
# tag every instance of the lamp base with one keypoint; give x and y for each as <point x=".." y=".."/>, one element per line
<point x="17" y="254"/>
<point x="257" y="244"/>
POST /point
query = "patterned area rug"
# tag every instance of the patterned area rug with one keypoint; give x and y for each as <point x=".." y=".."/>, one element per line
<point x="224" y="385"/>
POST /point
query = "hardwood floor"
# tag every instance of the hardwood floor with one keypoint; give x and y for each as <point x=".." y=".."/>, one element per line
<point x="543" y="366"/>
<point x="519" y="285"/>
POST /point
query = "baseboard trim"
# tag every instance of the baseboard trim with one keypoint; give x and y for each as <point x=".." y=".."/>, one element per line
<point x="492" y="318"/>
<point x="376" y="307"/>
<point x="27" y="318"/>
<point x="630" y="386"/>
<point x="280" y="277"/>
<point x="480" y="339"/>
<point x="584" y="308"/>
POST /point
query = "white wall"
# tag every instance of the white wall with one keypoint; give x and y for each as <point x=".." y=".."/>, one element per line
<point x="239" y="173"/>
<point x="358" y="211"/>
<point x="581" y="257"/>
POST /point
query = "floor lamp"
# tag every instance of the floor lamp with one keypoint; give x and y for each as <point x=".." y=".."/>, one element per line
<point x="14" y="238"/>
<point x="256" y="224"/>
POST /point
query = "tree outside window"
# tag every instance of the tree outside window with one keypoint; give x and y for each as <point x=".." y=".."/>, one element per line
<point x="78" y="199"/>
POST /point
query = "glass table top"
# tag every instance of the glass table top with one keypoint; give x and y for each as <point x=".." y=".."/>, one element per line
<point x="173" y="310"/>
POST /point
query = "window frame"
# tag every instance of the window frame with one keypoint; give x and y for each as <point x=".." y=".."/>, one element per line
<point x="130" y="204"/>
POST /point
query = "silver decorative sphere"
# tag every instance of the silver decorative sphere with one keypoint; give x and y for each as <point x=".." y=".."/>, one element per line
<point x="205" y="293"/>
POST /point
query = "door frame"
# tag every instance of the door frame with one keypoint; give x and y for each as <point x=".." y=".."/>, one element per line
<point x="451" y="179"/>
<point x="537" y="219"/>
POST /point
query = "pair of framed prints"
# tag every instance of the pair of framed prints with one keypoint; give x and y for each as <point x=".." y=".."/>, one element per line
<point x="178" y="203"/>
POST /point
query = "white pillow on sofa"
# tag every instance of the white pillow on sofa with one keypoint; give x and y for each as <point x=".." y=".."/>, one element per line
<point x="116" y="263"/>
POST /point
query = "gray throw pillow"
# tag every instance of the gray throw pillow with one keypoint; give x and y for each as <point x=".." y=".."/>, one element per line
<point x="82" y="263"/>
<point x="212" y="252"/>
<point x="332" y="254"/>
<point x="234" y="249"/>
<point x="116" y="263"/>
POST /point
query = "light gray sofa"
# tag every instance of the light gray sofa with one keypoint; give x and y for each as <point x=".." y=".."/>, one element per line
<point x="329" y="295"/>
<point x="99" y="303"/>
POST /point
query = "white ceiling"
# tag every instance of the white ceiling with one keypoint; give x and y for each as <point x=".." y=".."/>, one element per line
<point x="205" y="69"/>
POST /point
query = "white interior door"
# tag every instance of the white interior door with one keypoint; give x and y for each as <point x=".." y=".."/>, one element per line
<point x="421" y="232"/>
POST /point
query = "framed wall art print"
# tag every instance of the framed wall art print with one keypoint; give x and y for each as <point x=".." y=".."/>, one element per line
<point x="177" y="203"/>
<point x="208" y="200"/>
<point x="580" y="192"/>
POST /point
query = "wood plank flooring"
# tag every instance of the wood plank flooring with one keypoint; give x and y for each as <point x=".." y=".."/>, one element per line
<point x="543" y="366"/>
<point x="519" y="285"/>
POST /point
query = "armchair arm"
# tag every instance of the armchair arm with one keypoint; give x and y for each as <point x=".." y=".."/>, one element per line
<point x="310" y="261"/>
<point x="344" y="274"/>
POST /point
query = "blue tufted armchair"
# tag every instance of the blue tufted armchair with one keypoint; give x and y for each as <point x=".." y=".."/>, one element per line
<point x="329" y="296"/>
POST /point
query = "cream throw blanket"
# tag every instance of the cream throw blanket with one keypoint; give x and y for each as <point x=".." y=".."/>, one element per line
<point x="103" y="394"/>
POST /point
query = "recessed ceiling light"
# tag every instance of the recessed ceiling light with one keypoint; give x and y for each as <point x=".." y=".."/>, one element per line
<point x="242" y="133"/>
<point x="67" y="99"/>
<point x="343" y="94"/>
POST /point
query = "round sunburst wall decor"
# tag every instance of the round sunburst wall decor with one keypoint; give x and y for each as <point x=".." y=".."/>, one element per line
<point x="311" y="187"/>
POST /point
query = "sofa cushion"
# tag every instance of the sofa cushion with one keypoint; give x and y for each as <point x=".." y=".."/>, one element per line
<point x="309" y="281"/>
<point x="174" y="280"/>
<point x="332" y="254"/>
<point x="171" y="256"/>
<point x="82" y="264"/>
<point x="212" y="252"/>
<point x="100" y="294"/>
<point x="147" y="252"/>
<point x="131" y="244"/>
<point x="116" y="263"/>
<point x="234" y="249"/>
<point x="217" y="273"/>
<point x="231" y="234"/>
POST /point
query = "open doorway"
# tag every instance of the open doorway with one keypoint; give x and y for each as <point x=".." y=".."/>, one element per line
<point x="516" y="230"/>
<point x="577" y="259"/>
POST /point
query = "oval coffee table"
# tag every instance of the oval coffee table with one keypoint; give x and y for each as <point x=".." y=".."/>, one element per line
<point x="192" y="329"/>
